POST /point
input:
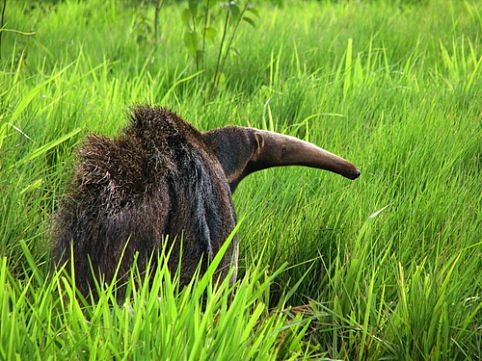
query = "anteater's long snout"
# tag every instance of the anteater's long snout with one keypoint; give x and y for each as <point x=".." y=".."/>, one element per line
<point x="276" y="149"/>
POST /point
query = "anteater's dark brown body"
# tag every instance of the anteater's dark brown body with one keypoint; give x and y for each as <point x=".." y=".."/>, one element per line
<point x="163" y="177"/>
<point x="158" y="178"/>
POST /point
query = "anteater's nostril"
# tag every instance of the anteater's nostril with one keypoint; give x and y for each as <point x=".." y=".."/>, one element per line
<point x="356" y="173"/>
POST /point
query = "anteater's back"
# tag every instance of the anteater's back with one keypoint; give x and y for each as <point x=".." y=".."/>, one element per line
<point x="158" y="178"/>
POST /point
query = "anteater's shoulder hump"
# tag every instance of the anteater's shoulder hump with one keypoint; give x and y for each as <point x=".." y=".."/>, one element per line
<point x="161" y="125"/>
<point x="146" y="149"/>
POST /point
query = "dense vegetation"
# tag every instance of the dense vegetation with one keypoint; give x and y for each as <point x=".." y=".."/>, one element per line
<point x="385" y="267"/>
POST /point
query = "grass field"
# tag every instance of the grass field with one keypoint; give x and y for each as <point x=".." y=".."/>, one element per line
<point x="385" y="267"/>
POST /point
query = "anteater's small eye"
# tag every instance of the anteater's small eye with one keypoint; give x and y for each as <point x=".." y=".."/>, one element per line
<point x="284" y="150"/>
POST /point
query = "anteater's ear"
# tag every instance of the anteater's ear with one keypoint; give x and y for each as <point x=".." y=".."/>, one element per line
<point x="234" y="147"/>
<point x="258" y="137"/>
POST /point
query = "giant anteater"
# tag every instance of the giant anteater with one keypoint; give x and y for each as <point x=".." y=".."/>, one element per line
<point x="163" y="177"/>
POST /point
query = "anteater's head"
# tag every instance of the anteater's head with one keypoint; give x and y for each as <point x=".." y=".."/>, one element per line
<point x="242" y="151"/>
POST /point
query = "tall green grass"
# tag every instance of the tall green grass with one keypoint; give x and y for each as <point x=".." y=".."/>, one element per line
<point x="44" y="318"/>
<point x="386" y="267"/>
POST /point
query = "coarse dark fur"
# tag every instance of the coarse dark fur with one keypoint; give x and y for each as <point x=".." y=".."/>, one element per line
<point x="158" y="178"/>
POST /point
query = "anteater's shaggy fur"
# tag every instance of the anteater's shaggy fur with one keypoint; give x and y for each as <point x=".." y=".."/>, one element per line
<point x="158" y="178"/>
